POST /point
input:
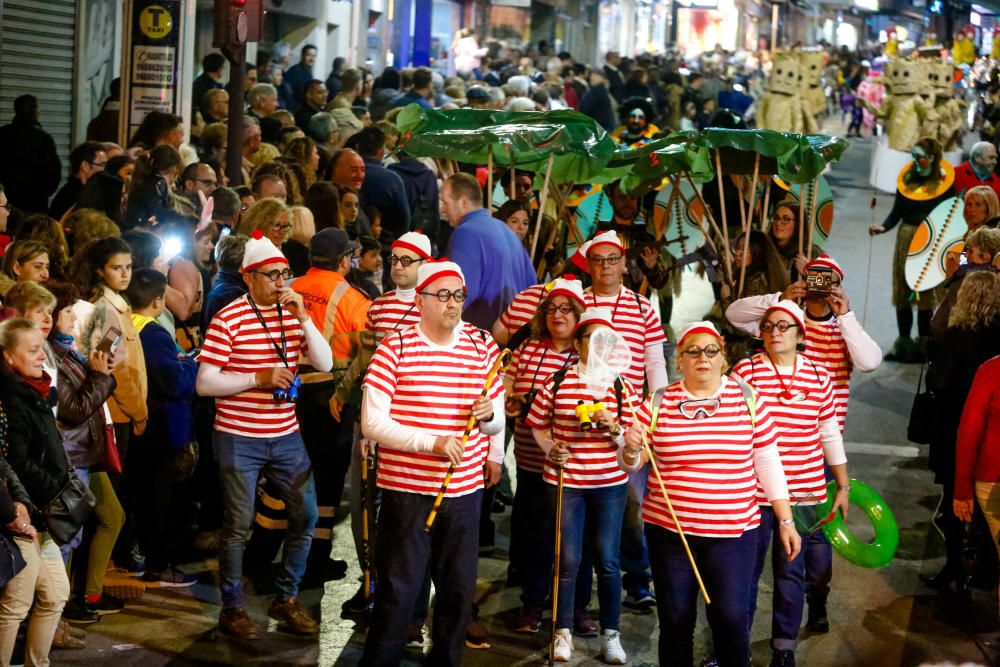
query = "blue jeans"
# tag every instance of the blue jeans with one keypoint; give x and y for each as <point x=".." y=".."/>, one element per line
<point x="789" y="580"/>
<point x="635" y="555"/>
<point x="819" y="562"/>
<point x="726" y="566"/>
<point x="450" y="550"/>
<point x="241" y="460"/>
<point x="602" y="508"/>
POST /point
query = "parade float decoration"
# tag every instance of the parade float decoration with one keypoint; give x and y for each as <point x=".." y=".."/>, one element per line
<point x="811" y="86"/>
<point x="950" y="122"/>
<point x="781" y="108"/>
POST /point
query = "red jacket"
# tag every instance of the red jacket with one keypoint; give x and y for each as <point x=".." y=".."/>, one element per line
<point x="966" y="178"/>
<point x="977" y="449"/>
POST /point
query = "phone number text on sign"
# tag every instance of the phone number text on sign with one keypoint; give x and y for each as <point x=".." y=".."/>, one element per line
<point x="154" y="66"/>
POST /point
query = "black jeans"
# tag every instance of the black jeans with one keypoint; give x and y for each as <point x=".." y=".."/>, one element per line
<point x="450" y="550"/>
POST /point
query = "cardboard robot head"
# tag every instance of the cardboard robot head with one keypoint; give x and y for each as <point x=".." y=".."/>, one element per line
<point x="810" y="68"/>
<point x="939" y="76"/>
<point x="784" y="74"/>
<point x="906" y="77"/>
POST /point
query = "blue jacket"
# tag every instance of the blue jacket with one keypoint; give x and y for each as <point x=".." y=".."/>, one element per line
<point x="385" y="191"/>
<point x="172" y="378"/>
<point x="411" y="98"/>
<point x="495" y="263"/>
<point x="228" y="287"/>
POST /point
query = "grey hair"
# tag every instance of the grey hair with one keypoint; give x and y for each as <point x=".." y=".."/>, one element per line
<point x="321" y="125"/>
<point x="259" y="92"/>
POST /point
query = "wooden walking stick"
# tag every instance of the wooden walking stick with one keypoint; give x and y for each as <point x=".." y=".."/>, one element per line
<point x="663" y="489"/>
<point x="365" y="544"/>
<point x="498" y="366"/>
<point x="748" y="226"/>
<point x="555" y="568"/>
<point x="541" y="207"/>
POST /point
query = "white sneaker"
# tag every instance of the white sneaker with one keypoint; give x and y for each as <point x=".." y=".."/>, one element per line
<point x="562" y="645"/>
<point x="611" y="647"/>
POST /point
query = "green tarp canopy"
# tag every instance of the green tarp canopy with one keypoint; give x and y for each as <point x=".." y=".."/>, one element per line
<point x="584" y="153"/>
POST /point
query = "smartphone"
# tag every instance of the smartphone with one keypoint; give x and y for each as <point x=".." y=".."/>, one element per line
<point x="110" y="341"/>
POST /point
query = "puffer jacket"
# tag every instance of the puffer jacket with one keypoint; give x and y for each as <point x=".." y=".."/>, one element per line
<point x="82" y="393"/>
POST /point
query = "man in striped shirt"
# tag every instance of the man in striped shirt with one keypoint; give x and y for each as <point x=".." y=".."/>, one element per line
<point x="419" y="391"/>
<point x="835" y="340"/>
<point x="249" y="363"/>
<point x="633" y="316"/>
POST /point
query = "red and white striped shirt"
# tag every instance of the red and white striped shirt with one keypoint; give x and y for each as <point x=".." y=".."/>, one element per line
<point x="522" y="308"/>
<point x="531" y="365"/>
<point x="797" y="415"/>
<point x="708" y="464"/>
<point x="237" y="343"/>
<point x="432" y="389"/>
<point x="826" y="346"/>
<point x="635" y="320"/>
<point x="390" y="312"/>
<point x="593" y="456"/>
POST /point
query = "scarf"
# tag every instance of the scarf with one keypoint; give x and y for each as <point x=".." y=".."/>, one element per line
<point x="43" y="385"/>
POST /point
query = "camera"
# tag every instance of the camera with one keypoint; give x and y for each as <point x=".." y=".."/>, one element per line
<point x="584" y="412"/>
<point x="290" y="395"/>
<point x="820" y="283"/>
<point x="529" y="399"/>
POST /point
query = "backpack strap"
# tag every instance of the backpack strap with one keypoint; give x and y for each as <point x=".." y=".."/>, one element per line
<point x="749" y="397"/>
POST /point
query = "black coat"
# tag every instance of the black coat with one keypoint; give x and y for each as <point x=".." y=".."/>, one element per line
<point x="82" y="393"/>
<point x="30" y="172"/>
<point x="34" y="445"/>
<point x="596" y="103"/>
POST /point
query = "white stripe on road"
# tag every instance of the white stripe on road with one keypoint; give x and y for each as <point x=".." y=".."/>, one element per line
<point x="903" y="451"/>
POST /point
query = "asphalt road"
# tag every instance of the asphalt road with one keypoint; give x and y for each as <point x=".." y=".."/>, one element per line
<point x="880" y="618"/>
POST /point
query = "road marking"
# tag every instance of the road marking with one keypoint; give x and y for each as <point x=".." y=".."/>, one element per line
<point x="903" y="451"/>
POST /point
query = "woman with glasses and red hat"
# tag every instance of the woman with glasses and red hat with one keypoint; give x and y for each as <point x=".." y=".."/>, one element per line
<point x="804" y="410"/>
<point x="714" y="442"/>
<point x="580" y="429"/>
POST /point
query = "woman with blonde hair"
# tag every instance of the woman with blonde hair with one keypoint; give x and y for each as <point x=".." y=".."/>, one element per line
<point x="980" y="206"/>
<point x="40" y="227"/>
<point x="972" y="337"/>
<point x="88" y="224"/>
<point x="304" y="153"/>
<point x="25" y="260"/>
<point x="271" y="217"/>
<point x="296" y="248"/>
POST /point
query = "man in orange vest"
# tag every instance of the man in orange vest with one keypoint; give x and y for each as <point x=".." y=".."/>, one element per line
<point x="338" y="310"/>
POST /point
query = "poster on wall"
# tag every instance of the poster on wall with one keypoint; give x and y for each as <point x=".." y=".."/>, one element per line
<point x="150" y="62"/>
<point x="97" y="61"/>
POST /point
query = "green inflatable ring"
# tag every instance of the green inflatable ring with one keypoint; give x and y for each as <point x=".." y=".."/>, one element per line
<point x="877" y="553"/>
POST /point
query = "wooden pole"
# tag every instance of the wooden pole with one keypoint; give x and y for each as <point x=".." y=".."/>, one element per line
<point x="489" y="180"/>
<point x="542" y="265"/>
<point x="725" y="255"/>
<point x="722" y="199"/>
<point x="513" y="175"/>
<point x="802" y="215"/>
<point x="812" y="217"/>
<point x="749" y="226"/>
<point x="765" y="217"/>
<point x="541" y="207"/>
<point x="555" y="566"/>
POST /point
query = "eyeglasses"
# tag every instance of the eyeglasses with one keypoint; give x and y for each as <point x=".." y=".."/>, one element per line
<point x="284" y="274"/>
<point x="699" y="408"/>
<point x="99" y="165"/>
<point x="243" y="208"/>
<point x="282" y="228"/>
<point x="551" y="309"/>
<point x="610" y="261"/>
<point x="405" y="261"/>
<point x="443" y="295"/>
<point x="710" y="351"/>
<point x="8" y="207"/>
<point x="784" y="218"/>
<point x="781" y="326"/>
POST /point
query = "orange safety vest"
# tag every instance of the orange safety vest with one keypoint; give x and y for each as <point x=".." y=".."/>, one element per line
<point x="337" y="309"/>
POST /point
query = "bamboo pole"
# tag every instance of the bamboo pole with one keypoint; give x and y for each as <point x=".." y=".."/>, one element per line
<point x="725" y="256"/>
<point x="749" y="225"/>
<point x="542" y="265"/>
<point x="765" y="218"/>
<point x="722" y="200"/>
<point x="541" y="207"/>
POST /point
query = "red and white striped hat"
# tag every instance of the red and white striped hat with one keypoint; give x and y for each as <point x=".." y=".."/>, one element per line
<point x="791" y="309"/>
<point x="825" y="263"/>
<point x="415" y="242"/>
<point x="609" y="237"/>
<point x="260" y="251"/>
<point x="437" y="269"/>
<point x="696" y="328"/>
<point x="600" y="316"/>
<point x="568" y="286"/>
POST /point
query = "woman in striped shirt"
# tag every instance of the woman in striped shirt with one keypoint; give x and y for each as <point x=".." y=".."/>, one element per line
<point x="714" y="441"/>
<point x="594" y="486"/>
<point x="549" y="351"/>
<point x="803" y="407"/>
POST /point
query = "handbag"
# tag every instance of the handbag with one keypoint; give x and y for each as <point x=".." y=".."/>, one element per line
<point x="66" y="513"/>
<point x="112" y="460"/>
<point x="11" y="559"/>
<point x="923" y="414"/>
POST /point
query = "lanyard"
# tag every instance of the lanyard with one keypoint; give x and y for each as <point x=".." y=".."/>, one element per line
<point x="405" y="315"/>
<point x="614" y="311"/>
<point x="281" y="351"/>
<point x="538" y="367"/>
<point x="785" y="391"/>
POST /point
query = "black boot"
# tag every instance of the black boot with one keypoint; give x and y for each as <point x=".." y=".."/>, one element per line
<point x="816" y="620"/>
<point x="783" y="658"/>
